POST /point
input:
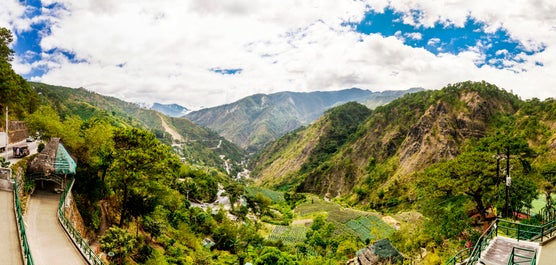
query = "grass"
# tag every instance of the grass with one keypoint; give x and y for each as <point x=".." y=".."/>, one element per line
<point x="539" y="203"/>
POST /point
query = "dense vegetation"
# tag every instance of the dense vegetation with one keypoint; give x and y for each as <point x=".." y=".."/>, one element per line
<point x="196" y="146"/>
<point x="442" y="153"/>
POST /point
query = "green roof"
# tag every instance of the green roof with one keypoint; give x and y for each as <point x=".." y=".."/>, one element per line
<point x="64" y="164"/>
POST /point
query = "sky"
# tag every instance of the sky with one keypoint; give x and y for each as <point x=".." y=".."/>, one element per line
<point x="204" y="53"/>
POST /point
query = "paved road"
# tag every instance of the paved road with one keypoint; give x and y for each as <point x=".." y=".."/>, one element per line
<point x="32" y="148"/>
<point x="10" y="252"/>
<point x="48" y="241"/>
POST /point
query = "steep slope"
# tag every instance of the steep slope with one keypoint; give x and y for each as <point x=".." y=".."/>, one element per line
<point x="301" y="151"/>
<point x="397" y="139"/>
<point x="196" y="144"/>
<point x="256" y="120"/>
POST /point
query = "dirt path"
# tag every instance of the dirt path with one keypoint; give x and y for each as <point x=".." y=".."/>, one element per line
<point x="170" y="130"/>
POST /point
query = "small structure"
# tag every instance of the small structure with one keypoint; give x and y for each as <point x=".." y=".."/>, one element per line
<point x="52" y="164"/>
<point x="380" y="252"/>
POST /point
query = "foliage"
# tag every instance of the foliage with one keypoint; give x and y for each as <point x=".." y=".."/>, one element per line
<point x="15" y="92"/>
<point x="141" y="166"/>
<point x="119" y="242"/>
<point x="272" y="255"/>
<point x="340" y="122"/>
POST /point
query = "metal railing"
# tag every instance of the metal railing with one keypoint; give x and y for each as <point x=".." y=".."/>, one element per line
<point x="527" y="232"/>
<point x="471" y="256"/>
<point x="520" y="258"/>
<point x="533" y="233"/>
<point x="482" y="243"/>
<point x="460" y="257"/>
<point x="26" y="251"/>
<point x="81" y="244"/>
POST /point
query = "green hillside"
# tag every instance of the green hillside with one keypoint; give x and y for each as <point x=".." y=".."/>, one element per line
<point x="432" y="151"/>
<point x="196" y="143"/>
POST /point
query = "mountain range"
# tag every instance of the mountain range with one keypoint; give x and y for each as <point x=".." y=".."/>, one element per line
<point x="194" y="143"/>
<point x="373" y="156"/>
<point x="254" y="121"/>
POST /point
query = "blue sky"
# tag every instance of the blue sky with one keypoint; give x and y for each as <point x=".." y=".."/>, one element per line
<point x="201" y="53"/>
<point x="499" y="48"/>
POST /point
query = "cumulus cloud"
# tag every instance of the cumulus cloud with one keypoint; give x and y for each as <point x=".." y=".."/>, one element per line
<point x="167" y="51"/>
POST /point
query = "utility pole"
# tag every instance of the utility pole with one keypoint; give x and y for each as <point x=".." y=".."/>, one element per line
<point x="508" y="180"/>
<point x="7" y="137"/>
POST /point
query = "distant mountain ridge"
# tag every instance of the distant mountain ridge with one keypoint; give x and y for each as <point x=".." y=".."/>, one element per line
<point x="254" y="121"/>
<point x="197" y="144"/>
<point x="172" y="110"/>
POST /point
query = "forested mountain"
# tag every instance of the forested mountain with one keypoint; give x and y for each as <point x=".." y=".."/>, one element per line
<point x="444" y="153"/>
<point x="194" y="143"/>
<point x="378" y="162"/>
<point x="256" y="120"/>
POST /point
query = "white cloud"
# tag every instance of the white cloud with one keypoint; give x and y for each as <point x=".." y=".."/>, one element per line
<point x="163" y="50"/>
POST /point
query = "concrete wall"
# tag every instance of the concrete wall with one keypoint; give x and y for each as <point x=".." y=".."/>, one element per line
<point x="17" y="130"/>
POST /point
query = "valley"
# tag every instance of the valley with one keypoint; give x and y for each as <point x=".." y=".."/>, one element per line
<point x="421" y="174"/>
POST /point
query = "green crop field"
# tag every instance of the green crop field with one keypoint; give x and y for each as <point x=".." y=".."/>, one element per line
<point x="360" y="224"/>
<point x="370" y="228"/>
<point x="288" y="234"/>
<point x="275" y="196"/>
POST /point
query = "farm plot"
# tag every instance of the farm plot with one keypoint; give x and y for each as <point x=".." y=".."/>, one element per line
<point x="288" y="234"/>
<point x="275" y="196"/>
<point x="370" y="228"/>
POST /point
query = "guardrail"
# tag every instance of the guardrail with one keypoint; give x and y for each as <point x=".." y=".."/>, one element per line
<point x="527" y="232"/>
<point x="519" y="259"/>
<point x="510" y="229"/>
<point x="462" y="257"/>
<point x="26" y="251"/>
<point x="81" y="244"/>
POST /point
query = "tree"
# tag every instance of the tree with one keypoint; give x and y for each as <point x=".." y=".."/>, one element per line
<point x="272" y="255"/>
<point x="46" y="121"/>
<point x="6" y="37"/>
<point x="141" y="163"/>
<point x="234" y="191"/>
<point x="472" y="174"/>
<point x="119" y="242"/>
<point x="15" y="92"/>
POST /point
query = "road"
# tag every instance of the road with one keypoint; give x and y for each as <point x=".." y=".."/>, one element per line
<point x="48" y="241"/>
<point x="10" y="251"/>
<point x="32" y="148"/>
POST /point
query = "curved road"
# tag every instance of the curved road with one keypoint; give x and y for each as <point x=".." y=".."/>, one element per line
<point x="10" y="251"/>
<point x="48" y="241"/>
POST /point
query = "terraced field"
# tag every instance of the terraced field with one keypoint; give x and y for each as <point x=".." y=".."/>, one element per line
<point x="288" y="234"/>
<point x="366" y="226"/>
